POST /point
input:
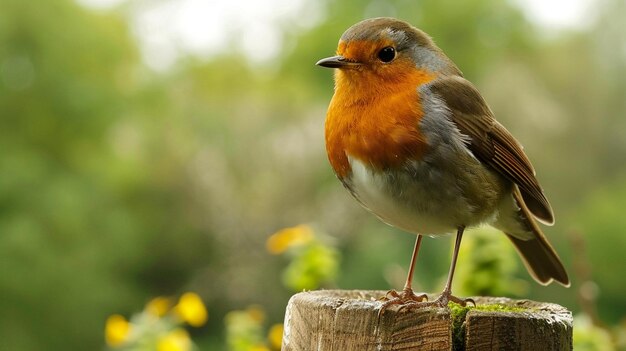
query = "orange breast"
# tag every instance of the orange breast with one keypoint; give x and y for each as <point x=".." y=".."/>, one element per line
<point x="375" y="120"/>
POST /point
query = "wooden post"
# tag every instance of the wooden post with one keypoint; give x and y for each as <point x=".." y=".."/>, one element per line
<point x="347" y="320"/>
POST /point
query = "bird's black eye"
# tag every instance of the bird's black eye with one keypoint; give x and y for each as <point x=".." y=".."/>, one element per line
<point x="387" y="54"/>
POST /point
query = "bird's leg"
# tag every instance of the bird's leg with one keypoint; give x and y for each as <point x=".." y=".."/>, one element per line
<point x="406" y="296"/>
<point x="446" y="296"/>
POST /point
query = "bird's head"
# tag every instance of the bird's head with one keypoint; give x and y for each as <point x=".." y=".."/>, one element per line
<point x="386" y="50"/>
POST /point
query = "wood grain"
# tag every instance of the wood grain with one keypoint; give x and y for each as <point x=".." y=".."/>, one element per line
<point x="347" y="320"/>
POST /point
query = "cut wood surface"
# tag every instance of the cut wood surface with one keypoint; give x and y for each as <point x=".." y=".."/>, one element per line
<point x="346" y="320"/>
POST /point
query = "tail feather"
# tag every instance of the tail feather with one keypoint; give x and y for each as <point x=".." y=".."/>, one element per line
<point x="542" y="262"/>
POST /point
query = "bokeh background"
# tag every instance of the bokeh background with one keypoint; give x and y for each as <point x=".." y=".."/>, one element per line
<point x="151" y="147"/>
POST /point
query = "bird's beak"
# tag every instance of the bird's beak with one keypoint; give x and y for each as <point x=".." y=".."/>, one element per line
<point x="337" y="62"/>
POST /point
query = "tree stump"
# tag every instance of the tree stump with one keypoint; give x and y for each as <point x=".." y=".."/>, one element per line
<point x="343" y="320"/>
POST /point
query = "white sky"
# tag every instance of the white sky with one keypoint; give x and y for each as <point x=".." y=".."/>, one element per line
<point x="167" y="28"/>
<point x="556" y="14"/>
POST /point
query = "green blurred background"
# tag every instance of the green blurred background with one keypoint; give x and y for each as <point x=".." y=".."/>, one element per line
<point x="133" y="165"/>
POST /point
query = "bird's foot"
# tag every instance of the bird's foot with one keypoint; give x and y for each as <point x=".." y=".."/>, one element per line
<point x="446" y="297"/>
<point x="408" y="299"/>
<point x="405" y="298"/>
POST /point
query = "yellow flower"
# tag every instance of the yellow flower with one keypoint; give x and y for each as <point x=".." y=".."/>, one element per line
<point x="256" y="313"/>
<point x="283" y="239"/>
<point x="258" y="348"/>
<point x="158" y="306"/>
<point x="275" y="336"/>
<point x="191" y="309"/>
<point x="176" y="340"/>
<point x="116" y="330"/>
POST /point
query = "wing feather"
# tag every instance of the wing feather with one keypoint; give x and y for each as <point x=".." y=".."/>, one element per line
<point x="491" y="142"/>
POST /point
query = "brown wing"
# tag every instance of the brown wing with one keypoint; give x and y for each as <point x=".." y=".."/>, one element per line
<point x="491" y="142"/>
<point x="539" y="257"/>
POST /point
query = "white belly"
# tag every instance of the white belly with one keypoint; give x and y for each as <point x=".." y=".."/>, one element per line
<point x="417" y="199"/>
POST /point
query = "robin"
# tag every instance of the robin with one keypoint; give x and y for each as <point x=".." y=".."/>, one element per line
<point x="416" y="144"/>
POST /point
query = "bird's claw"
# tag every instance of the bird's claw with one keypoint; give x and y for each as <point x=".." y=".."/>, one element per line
<point x="405" y="298"/>
<point x="445" y="298"/>
<point x="462" y="302"/>
<point x="407" y="295"/>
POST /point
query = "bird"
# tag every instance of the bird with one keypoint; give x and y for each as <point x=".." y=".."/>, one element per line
<point x="416" y="144"/>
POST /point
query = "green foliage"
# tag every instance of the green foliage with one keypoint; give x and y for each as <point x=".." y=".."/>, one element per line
<point x="311" y="267"/>
<point x="245" y="331"/>
<point x="66" y="243"/>
<point x="603" y="225"/>
<point x="588" y="337"/>
<point x="82" y="221"/>
<point x="313" y="261"/>
<point x="487" y="265"/>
